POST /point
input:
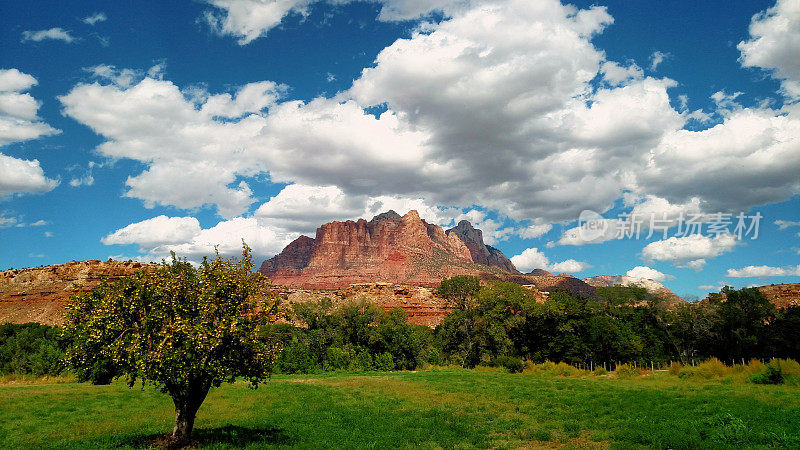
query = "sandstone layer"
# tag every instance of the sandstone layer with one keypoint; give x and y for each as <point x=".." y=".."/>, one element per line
<point x="40" y="294"/>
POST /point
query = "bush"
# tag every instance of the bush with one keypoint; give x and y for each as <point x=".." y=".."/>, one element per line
<point x="778" y="371"/>
<point x="626" y="371"/>
<point x="295" y="358"/>
<point x="513" y="365"/>
<point x="675" y="368"/>
<point x="384" y="362"/>
<point x="706" y="370"/>
<point x="600" y="370"/>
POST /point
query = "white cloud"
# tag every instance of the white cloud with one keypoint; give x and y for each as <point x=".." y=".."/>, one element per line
<point x="18" y="119"/>
<point x="784" y="224"/>
<point x="534" y="230"/>
<point x="251" y="19"/>
<point x="20" y="176"/>
<point x="657" y="58"/>
<point x="648" y="273"/>
<point x="303" y="208"/>
<point x="94" y="18"/>
<point x="56" y="34"/>
<point x="689" y="251"/>
<point x="615" y="74"/>
<point x="39" y="223"/>
<point x="773" y="44"/>
<point x="763" y="271"/>
<point x="515" y="77"/>
<point x="183" y="235"/>
<point x="532" y="258"/>
<point x="160" y="230"/>
<point x="7" y="221"/>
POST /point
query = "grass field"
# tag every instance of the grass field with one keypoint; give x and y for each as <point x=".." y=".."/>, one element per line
<point x="429" y="409"/>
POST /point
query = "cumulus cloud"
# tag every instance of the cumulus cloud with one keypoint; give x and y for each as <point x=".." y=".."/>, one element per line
<point x="56" y="34"/>
<point x="160" y="230"/>
<point x="516" y="77"/>
<point x="95" y="18"/>
<point x="303" y="208"/>
<point x="764" y="271"/>
<point x="18" y="110"/>
<point x="532" y="258"/>
<point x="22" y="176"/>
<point x="691" y="251"/>
<point x="773" y="45"/>
<point x="648" y="273"/>
<point x="158" y="236"/>
<point x="250" y="19"/>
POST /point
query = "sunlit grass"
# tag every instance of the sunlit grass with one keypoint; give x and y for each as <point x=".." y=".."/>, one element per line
<point x="431" y="409"/>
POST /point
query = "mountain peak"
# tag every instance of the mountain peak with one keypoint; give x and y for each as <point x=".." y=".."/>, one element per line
<point x="409" y="251"/>
<point x="388" y="215"/>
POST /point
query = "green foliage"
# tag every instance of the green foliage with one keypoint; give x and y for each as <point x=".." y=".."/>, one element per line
<point x="742" y="325"/>
<point x="384" y="362"/>
<point x="30" y="349"/>
<point x="460" y="290"/>
<point x="356" y="335"/>
<point x="626" y="371"/>
<point x="510" y="363"/>
<point x="182" y="329"/>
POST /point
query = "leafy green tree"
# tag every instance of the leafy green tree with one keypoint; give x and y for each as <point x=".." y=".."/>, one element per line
<point x="460" y="290"/>
<point x="181" y="328"/>
<point x="744" y="316"/>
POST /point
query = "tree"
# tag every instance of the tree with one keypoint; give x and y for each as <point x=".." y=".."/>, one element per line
<point x="181" y="328"/>
<point x="460" y="290"/>
<point x="744" y="315"/>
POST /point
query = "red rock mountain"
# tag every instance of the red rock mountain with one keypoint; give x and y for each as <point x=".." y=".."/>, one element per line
<point x="388" y="248"/>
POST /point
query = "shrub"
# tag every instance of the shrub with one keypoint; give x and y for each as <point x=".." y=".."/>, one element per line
<point x="510" y="363"/>
<point x="295" y="358"/>
<point x="706" y="370"/>
<point x="626" y="371"/>
<point x="778" y="371"/>
<point x="600" y="371"/>
<point x="384" y="362"/>
<point x="675" y="368"/>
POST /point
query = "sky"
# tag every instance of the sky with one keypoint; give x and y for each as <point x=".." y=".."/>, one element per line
<point x="655" y="139"/>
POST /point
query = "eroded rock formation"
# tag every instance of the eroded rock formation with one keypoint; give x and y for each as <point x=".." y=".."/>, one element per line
<point x="389" y="248"/>
<point x="40" y="294"/>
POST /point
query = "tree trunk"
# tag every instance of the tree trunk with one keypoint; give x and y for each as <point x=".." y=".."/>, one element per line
<point x="187" y="401"/>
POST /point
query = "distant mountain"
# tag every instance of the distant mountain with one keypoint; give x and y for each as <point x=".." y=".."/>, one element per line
<point x="388" y="248"/>
<point x="652" y="286"/>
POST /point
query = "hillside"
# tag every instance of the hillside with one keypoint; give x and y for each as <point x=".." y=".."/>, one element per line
<point x="652" y="286"/>
<point x="39" y="294"/>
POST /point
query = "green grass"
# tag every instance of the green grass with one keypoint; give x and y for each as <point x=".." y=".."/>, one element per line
<point x="429" y="409"/>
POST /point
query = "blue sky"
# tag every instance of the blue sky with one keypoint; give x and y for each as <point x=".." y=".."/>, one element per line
<point x="131" y="129"/>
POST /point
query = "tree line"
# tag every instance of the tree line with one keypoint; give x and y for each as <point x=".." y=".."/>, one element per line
<point x="492" y="324"/>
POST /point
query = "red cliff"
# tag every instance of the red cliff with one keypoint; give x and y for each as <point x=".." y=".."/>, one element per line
<point x="388" y="248"/>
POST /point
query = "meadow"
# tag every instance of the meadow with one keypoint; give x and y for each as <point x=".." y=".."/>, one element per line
<point x="436" y="408"/>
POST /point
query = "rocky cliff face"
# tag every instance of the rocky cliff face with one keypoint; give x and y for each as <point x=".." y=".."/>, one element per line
<point x="652" y="286"/>
<point x="480" y="252"/>
<point x="388" y="248"/>
<point x="40" y="294"/>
